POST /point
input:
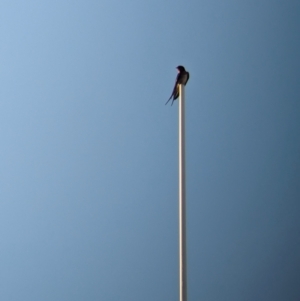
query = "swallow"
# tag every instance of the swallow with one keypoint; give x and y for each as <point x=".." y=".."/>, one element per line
<point x="182" y="78"/>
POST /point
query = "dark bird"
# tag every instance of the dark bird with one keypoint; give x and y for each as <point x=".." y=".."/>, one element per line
<point x="182" y="78"/>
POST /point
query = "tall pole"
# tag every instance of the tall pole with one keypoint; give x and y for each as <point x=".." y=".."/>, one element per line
<point x="182" y="201"/>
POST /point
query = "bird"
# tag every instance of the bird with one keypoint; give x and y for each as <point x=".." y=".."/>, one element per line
<point x="182" y="78"/>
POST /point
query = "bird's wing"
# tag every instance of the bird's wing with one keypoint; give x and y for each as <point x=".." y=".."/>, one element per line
<point x="174" y="90"/>
<point x="173" y="101"/>
<point x="176" y="94"/>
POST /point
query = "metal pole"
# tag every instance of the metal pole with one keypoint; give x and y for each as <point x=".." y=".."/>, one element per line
<point x="182" y="205"/>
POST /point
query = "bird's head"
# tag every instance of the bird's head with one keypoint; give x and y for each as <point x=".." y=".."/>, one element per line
<point x="180" y="68"/>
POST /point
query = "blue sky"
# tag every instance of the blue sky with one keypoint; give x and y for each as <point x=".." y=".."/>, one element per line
<point x="88" y="165"/>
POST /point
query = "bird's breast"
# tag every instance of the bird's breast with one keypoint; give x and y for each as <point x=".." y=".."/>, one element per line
<point x="183" y="79"/>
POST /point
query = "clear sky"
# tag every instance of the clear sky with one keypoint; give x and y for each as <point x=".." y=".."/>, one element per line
<point x="89" y="154"/>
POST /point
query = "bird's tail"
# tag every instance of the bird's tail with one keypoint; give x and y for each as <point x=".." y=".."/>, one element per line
<point x="169" y="99"/>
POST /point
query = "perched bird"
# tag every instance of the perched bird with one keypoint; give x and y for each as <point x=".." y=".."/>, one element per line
<point x="182" y="78"/>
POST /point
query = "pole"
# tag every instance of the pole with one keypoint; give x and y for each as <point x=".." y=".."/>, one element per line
<point x="182" y="205"/>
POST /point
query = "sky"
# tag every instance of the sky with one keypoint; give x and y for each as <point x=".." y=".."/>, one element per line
<point x="89" y="151"/>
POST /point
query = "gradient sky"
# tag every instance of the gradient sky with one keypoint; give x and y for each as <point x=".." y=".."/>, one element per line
<point x="89" y="154"/>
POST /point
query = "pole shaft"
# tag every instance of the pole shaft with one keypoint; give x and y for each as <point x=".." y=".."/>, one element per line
<point x="182" y="199"/>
